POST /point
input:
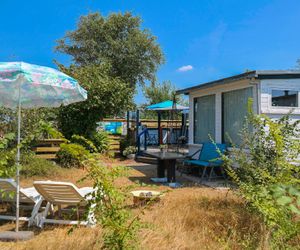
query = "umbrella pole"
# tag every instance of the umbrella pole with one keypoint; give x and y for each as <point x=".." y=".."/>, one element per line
<point x="18" y="163"/>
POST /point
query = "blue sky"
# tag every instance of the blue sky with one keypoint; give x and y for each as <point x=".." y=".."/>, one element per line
<point x="209" y="39"/>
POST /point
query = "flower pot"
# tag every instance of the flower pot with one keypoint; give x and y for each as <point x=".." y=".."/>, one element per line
<point x="130" y="156"/>
<point x="142" y="197"/>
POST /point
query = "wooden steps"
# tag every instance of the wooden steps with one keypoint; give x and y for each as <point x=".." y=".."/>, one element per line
<point x="47" y="149"/>
<point x="114" y="144"/>
<point x="146" y="159"/>
<point x="47" y="156"/>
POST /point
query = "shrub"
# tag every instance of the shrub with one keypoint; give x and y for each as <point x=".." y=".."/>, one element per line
<point x="72" y="155"/>
<point x="109" y="205"/>
<point x="7" y="140"/>
<point x="101" y="141"/>
<point x="7" y="163"/>
<point x="34" y="166"/>
<point x="30" y="164"/>
<point x="129" y="150"/>
<point x="126" y="142"/>
<point x="267" y="177"/>
<point x="87" y="144"/>
<point x="45" y="130"/>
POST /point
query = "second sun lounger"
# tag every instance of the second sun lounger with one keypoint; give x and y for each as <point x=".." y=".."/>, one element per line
<point x="29" y="199"/>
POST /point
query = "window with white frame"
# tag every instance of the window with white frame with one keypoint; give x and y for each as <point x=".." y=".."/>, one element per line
<point x="204" y="118"/>
<point x="284" y="98"/>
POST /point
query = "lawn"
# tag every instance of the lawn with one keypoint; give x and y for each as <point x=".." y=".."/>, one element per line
<point x="191" y="217"/>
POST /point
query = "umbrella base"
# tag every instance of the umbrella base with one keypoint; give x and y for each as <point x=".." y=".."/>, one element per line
<point x="16" y="236"/>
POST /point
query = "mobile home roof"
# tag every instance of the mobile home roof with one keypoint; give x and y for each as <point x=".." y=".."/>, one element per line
<point x="257" y="74"/>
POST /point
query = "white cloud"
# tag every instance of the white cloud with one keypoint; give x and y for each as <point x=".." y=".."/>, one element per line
<point x="185" y="68"/>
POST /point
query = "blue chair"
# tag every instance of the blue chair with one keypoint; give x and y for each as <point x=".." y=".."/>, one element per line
<point x="209" y="157"/>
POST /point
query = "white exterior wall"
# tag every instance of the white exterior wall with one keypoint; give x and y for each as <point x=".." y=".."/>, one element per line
<point x="266" y="87"/>
<point x="218" y="90"/>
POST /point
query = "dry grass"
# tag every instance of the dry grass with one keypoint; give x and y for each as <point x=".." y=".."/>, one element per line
<point x="53" y="237"/>
<point x="185" y="218"/>
<point x="200" y="218"/>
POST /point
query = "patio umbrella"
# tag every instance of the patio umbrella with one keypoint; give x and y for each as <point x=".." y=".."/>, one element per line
<point x="24" y="85"/>
<point x="166" y="105"/>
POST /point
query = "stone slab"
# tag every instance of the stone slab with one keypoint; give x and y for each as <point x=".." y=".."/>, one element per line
<point x="16" y="236"/>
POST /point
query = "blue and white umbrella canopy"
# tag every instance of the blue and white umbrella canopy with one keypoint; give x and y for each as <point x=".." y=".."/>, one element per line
<point x="166" y="105"/>
<point x="37" y="86"/>
<point x="24" y="85"/>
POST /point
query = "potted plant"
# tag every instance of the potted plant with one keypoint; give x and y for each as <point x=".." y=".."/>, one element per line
<point x="163" y="147"/>
<point x="129" y="152"/>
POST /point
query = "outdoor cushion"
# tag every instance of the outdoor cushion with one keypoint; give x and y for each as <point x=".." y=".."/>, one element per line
<point x="198" y="162"/>
<point x="204" y="163"/>
<point x="209" y="155"/>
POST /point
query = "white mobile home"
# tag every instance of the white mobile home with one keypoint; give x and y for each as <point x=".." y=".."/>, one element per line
<point x="219" y="107"/>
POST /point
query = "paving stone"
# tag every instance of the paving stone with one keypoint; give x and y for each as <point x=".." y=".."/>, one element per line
<point x="16" y="236"/>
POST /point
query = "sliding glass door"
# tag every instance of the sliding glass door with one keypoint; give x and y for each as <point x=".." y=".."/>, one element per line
<point x="204" y="118"/>
<point x="234" y="113"/>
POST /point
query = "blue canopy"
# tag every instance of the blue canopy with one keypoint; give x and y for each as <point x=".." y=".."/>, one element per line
<point x="166" y="105"/>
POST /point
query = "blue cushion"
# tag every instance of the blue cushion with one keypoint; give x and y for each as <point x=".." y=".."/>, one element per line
<point x="198" y="163"/>
<point x="204" y="163"/>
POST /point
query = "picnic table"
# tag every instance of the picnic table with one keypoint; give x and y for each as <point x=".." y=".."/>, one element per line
<point x="166" y="160"/>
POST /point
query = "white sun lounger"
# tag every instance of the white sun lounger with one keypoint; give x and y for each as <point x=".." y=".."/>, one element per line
<point x="29" y="198"/>
<point x="63" y="194"/>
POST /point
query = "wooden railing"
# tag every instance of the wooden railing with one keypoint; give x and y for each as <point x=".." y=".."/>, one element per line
<point x="148" y="122"/>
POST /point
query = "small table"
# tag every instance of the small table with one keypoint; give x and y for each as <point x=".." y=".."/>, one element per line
<point x="166" y="160"/>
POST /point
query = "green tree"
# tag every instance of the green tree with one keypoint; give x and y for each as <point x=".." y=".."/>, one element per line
<point x="110" y="55"/>
<point x="116" y="41"/>
<point x="107" y="96"/>
<point x="159" y="92"/>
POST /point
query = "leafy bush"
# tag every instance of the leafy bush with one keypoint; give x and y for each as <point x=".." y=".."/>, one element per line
<point x="87" y="144"/>
<point x="109" y="206"/>
<point x="72" y="155"/>
<point x="129" y="150"/>
<point x="30" y="164"/>
<point x="45" y="130"/>
<point x="267" y="177"/>
<point x="7" y="155"/>
<point x="7" y="140"/>
<point x="101" y="141"/>
<point x="48" y="131"/>
<point x="34" y="166"/>
<point x="126" y="142"/>
<point x="32" y="120"/>
<point x="7" y="163"/>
